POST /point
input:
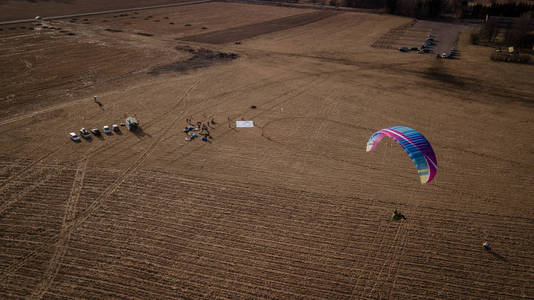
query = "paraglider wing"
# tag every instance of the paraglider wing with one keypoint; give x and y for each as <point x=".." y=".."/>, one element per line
<point x="415" y="144"/>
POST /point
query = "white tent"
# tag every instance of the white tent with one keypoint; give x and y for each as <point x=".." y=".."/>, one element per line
<point x="245" y="124"/>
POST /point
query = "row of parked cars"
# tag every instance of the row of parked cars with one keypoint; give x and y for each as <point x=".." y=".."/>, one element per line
<point x="425" y="48"/>
<point x="87" y="135"/>
<point x="451" y="54"/>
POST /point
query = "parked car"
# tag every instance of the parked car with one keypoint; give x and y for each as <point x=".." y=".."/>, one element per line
<point x="414" y="49"/>
<point x="115" y="127"/>
<point x="95" y="131"/>
<point x="85" y="134"/>
<point x="74" y="137"/>
<point x="107" y="130"/>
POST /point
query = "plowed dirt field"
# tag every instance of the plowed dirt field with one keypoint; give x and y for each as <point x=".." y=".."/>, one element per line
<point x="292" y="208"/>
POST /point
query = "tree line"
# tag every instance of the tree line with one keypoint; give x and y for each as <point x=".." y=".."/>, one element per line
<point x="435" y="8"/>
<point x="496" y="9"/>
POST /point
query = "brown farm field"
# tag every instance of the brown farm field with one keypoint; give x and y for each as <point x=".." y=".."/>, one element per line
<point x="292" y="208"/>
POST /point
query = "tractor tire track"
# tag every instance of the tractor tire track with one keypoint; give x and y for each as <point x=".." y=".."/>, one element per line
<point x="64" y="235"/>
<point x="133" y="167"/>
<point x="401" y="251"/>
<point x="72" y="224"/>
<point x="25" y="170"/>
<point x="370" y="253"/>
<point x="8" y="203"/>
<point x="272" y="103"/>
<point x="392" y="257"/>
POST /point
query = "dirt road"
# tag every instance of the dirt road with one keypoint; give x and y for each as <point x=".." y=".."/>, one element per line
<point x="101" y="12"/>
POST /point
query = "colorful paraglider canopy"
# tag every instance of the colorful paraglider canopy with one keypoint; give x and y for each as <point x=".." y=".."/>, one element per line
<point x="415" y="144"/>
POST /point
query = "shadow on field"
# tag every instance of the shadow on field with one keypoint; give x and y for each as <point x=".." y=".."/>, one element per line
<point x="438" y="72"/>
<point x="140" y="133"/>
<point x="492" y="91"/>
<point x="498" y="256"/>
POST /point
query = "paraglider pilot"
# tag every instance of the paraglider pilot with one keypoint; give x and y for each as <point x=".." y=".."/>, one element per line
<point x="397" y="216"/>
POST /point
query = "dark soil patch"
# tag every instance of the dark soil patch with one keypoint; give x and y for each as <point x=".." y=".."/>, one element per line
<point x="250" y="31"/>
<point x="186" y="49"/>
<point x="144" y="34"/>
<point x="202" y="58"/>
<point x="113" y="30"/>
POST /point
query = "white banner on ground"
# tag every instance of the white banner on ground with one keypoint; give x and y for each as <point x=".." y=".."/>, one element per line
<point x="246" y="124"/>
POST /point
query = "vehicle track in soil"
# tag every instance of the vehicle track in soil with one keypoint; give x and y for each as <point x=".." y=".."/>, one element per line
<point x="176" y="229"/>
<point x="126" y="197"/>
<point x="70" y="224"/>
<point x="292" y="216"/>
<point x="65" y="233"/>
